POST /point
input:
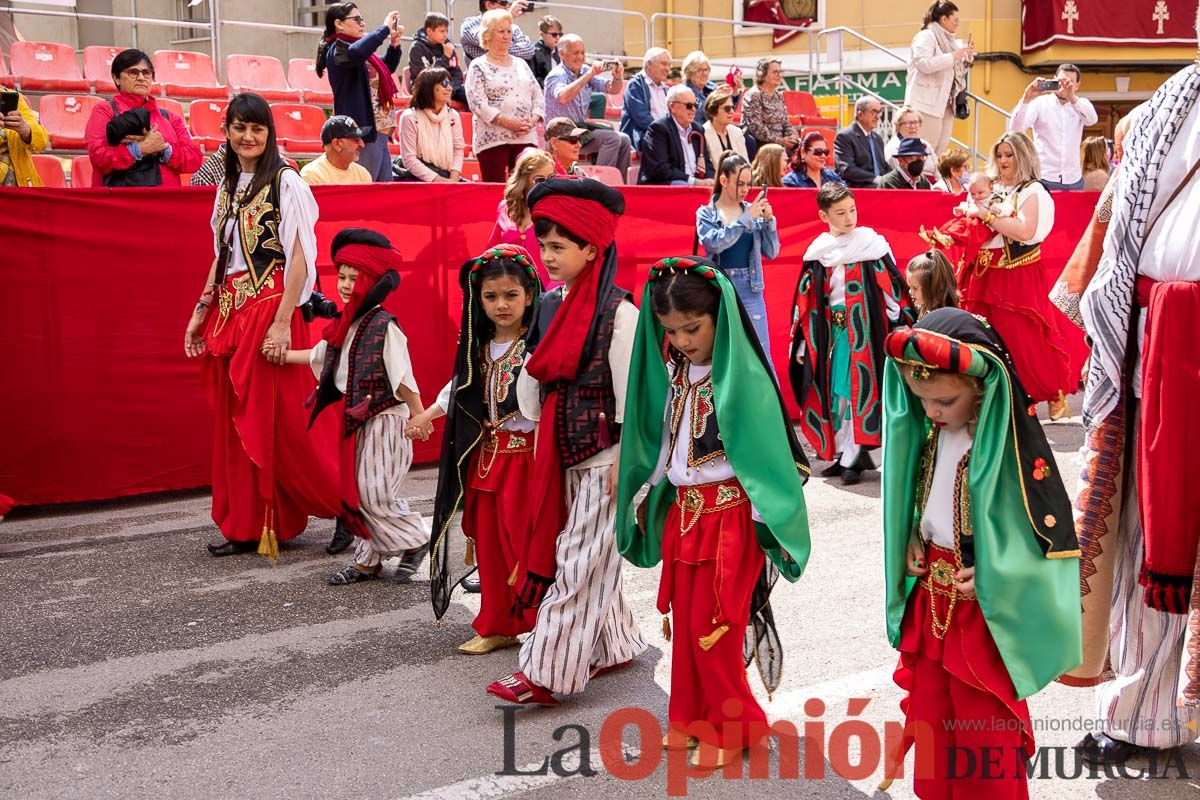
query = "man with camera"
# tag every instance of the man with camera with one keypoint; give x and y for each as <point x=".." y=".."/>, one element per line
<point x="20" y="137"/>
<point x="1057" y="115"/>
<point x="520" y="47"/>
<point x="569" y="88"/>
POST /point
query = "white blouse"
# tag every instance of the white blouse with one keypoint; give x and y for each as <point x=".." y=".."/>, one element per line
<point x="937" y="522"/>
<point x="396" y="362"/>
<point x="516" y="424"/>
<point x="1045" y="210"/>
<point x="298" y="216"/>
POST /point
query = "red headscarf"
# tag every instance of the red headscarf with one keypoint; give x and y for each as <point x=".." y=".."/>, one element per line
<point x="371" y="262"/>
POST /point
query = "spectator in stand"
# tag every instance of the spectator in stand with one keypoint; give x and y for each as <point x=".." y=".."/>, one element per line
<point x="1057" y="120"/>
<point x="720" y="134"/>
<point x="472" y="38"/>
<point x="696" y="70"/>
<point x="937" y="73"/>
<point x="505" y="97"/>
<point x="362" y="82"/>
<point x="21" y="135"/>
<point x="1095" y="163"/>
<point x="910" y="167"/>
<point x="431" y="47"/>
<point x="569" y="88"/>
<point x="545" y="49"/>
<point x="770" y="162"/>
<point x="514" y="225"/>
<point x="673" y="148"/>
<point x="166" y="143"/>
<point x="343" y="141"/>
<point x="646" y="95"/>
<point x="764" y="115"/>
<point x="563" y="142"/>
<point x="431" y="133"/>
<point x="809" y="170"/>
<point x="906" y="124"/>
<point x="858" y="149"/>
<point x="955" y="170"/>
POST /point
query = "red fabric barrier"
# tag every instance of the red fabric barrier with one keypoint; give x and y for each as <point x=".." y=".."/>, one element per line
<point x="100" y="402"/>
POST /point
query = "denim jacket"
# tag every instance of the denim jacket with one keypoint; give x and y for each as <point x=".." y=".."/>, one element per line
<point x="715" y="238"/>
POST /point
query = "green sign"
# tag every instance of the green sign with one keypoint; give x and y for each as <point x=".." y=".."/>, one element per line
<point x="888" y="84"/>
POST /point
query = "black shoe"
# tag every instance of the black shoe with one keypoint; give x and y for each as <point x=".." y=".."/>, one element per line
<point x="342" y="538"/>
<point x="834" y="469"/>
<point x="409" y="563"/>
<point x="470" y="583"/>
<point x="1101" y="749"/>
<point x="853" y="473"/>
<point x="231" y="548"/>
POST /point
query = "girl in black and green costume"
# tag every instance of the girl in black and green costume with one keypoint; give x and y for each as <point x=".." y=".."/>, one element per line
<point x="708" y="417"/>
<point x="980" y="556"/>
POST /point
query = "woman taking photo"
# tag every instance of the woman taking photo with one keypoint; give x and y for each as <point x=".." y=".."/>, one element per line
<point x="269" y="473"/>
<point x="764" y="114"/>
<point x="431" y="137"/>
<point x="363" y="84"/>
<point x="720" y="134"/>
<point x="808" y="164"/>
<point x="770" y="162"/>
<point x="937" y="73"/>
<point x="1007" y="285"/>
<point x="514" y="225"/>
<point x="506" y="99"/>
<point x="737" y="236"/>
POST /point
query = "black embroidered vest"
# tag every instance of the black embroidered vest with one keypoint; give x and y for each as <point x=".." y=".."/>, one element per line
<point x="500" y="382"/>
<point x="368" y="388"/>
<point x="587" y="406"/>
<point x="256" y="231"/>
<point x="1018" y="254"/>
<point x="701" y="426"/>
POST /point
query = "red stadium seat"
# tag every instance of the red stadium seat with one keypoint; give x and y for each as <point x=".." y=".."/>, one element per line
<point x="81" y="172"/>
<point x="65" y="116"/>
<point x="262" y="75"/>
<point x="610" y="176"/>
<point x="205" y="120"/>
<point x="50" y="168"/>
<point x="173" y="106"/>
<point x="302" y="75"/>
<point x="468" y="123"/>
<point x="616" y="102"/>
<point x="802" y="110"/>
<point x="298" y="127"/>
<point x="828" y="135"/>
<point x="97" y="67"/>
<point x="471" y="172"/>
<point x="186" y="74"/>
<point x="46" y="66"/>
<point x="6" y="77"/>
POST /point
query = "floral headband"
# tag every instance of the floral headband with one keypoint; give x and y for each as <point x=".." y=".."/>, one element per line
<point x="704" y="269"/>
<point x="513" y="252"/>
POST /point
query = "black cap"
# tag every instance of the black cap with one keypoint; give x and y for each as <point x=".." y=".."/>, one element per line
<point x="341" y="127"/>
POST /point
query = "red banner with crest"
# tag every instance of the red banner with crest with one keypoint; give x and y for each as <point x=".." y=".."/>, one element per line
<point x="1113" y="23"/>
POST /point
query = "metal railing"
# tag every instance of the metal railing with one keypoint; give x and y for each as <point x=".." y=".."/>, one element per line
<point x="666" y="16"/>
<point x="647" y="34"/>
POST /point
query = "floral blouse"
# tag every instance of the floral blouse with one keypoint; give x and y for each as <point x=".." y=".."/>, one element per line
<point x="493" y="90"/>
<point x="764" y="116"/>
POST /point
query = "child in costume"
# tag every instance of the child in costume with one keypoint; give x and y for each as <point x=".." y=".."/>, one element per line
<point x="575" y="381"/>
<point x="980" y="557"/>
<point x="487" y="449"/>
<point x="964" y="234"/>
<point x="850" y="294"/>
<point x="363" y="360"/>
<point x="931" y="282"/>
<point x="711" y="422"/>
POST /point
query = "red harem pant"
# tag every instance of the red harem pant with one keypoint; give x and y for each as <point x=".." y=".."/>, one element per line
<point x="495" y="509"/>
<point x="1047" y="349"/>
<point x="960" y="700"/>
<point x="269" y="471"/>
<point x="711" y="561"/>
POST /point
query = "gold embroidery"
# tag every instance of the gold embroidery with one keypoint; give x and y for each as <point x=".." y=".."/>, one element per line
<point x="727" y="494"/>
<point x="515" y="442"/>
<point x="244" y="288"/>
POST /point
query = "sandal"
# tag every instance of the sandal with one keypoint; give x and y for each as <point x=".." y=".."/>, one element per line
<point x="516" y="688"/>
<point x="351" y="574"/>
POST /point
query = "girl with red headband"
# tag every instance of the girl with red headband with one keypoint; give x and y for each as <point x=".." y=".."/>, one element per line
<point x="363" y="360"/>
<point x="581" y="339"/>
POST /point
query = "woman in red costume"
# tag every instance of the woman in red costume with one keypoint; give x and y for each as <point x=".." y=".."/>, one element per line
<point x="269" y="474"/>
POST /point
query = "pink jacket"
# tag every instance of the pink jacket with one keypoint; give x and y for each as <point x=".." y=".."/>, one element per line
<point x="185" y="153"/>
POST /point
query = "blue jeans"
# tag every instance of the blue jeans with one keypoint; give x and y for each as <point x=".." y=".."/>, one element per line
<point x="756" y="307"/>
<point x="376" y="159"/>
<point x="1055" y="186"/>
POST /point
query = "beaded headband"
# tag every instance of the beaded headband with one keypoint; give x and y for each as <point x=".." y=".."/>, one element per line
<point x="513" y="252"/>
<point x="683" y="264"/>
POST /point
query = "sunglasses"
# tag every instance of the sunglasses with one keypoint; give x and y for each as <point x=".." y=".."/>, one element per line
<point x="446" y="84"/>
<point x="727" y="109"/>
<point x="358" y="18"/>
<point x="821" y="153"/>
<point x="568" y="139"/>
<point x="688" y="106"/>
<point x="553" y="35"/>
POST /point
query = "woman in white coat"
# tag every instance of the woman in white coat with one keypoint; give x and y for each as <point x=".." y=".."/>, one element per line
<point x="937" y="73"/>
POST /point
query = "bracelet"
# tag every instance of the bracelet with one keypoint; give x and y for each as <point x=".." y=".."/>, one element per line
<point x="200" y="309"/>
<point x="989" y="219"/>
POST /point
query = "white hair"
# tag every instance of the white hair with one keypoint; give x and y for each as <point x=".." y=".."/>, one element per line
<point x="653" y="53"/>
<point x="677" y="91"/>
<point x="861" y="104"/>
<point x="569" y="39"/>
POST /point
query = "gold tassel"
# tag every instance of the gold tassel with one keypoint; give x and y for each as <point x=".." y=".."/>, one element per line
<point x="707" y="642"/>
<point x="268" y="544"/>
<point x="469" y="556"/>
<point x="512" y="579"/>
<point x="667" y="628"/>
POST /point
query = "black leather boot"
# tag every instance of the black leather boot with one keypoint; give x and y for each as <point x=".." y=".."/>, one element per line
<point x="342" y="537"/>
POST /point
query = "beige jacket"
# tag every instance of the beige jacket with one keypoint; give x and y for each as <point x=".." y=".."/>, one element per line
<point x="930" y="76"/>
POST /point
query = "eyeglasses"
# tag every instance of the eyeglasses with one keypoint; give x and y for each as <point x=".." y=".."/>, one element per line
<point x="688" y="106"/>
<point x="568" y="139"/>
<point x="357" y="18"/>
<point x="874" y="112"/>
<point x="821" y="153"/>
<point x="139" y="73"/>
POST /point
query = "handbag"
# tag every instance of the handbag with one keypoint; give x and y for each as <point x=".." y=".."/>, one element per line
<point x="401" y="173"/>
<point x="962" y="110"/>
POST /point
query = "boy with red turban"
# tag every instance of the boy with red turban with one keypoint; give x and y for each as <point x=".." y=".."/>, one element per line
<point x="581" y="341"/>
<point x="364" y="359"/>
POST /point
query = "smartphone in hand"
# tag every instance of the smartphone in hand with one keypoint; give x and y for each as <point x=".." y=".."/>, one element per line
<point x="1051" y="85"/>
<point x="8" y="102"/>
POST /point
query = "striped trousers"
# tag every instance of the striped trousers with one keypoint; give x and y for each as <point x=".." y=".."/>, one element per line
<point x="382" y="462"/>
<point x="1145" y="652"/>
<point x="584" y="622"/>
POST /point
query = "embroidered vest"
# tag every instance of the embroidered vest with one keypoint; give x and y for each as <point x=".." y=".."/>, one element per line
<point x="701" y="426"/>
<point x="587" y="406"/>
<point x="500" y="382"/>
<point x="1017" y="254"/>
<point x="256" y="231"/>
<point x="368" y="388"/>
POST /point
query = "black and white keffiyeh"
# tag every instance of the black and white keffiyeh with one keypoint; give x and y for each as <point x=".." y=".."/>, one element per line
<point x="1107" y="303"/>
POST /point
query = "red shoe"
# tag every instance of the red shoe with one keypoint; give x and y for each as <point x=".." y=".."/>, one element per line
<point x="516" y="688"/>
<point x="596" y="673"/>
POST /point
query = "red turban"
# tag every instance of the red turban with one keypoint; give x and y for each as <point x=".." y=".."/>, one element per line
<point x="372" y="263"/>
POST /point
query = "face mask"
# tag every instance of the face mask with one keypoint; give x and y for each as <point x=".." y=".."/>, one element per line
<point x="915" y="168"/>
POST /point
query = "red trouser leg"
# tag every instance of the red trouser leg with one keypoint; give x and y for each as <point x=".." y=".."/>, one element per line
<point x="686" y="704"/>
<point x="495" y="595"/>
<point x="930" y="709"/>
<point x="996" y="743"/>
